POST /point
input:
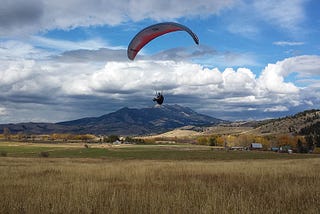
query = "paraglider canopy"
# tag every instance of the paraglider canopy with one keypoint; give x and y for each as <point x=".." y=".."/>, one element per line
<point x="159" y="98"/>
<point x="152" y="32"/>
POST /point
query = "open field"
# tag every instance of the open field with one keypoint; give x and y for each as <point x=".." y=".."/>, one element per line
<point x="64" y="185"/>
<point x="138" y="152"/>
<point x="155" y="179"/>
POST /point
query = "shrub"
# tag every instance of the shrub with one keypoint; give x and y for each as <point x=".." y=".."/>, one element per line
<point x="44" y="154"/>
<point x="316" y="150"/>
<point x="3" y="154"/>
<point x="203" y="140"/>
<point x="212" y="141"/>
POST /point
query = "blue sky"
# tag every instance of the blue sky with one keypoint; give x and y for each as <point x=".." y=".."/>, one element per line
<point x="63" y="60"/>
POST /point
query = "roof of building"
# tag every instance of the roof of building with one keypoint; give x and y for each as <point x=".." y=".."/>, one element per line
<point x="256" y="145"/>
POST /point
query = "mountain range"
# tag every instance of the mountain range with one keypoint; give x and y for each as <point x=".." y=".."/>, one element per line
<point x="125" y="121"/>
<point x="159" y="119"/>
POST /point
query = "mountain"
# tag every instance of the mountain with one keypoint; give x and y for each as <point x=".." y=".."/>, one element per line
<point x="126" y="121"/>
<point x="130" y="121"/>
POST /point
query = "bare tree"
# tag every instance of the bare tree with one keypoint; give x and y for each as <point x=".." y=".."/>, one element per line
<point x="6" y="133"/>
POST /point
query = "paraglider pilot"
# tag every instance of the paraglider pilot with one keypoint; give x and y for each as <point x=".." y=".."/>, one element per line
<point x="159" y="98"/>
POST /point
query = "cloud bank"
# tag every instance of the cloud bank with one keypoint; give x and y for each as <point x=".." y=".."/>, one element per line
<point x="19" y="16"/>
<point x="76" y="83"/>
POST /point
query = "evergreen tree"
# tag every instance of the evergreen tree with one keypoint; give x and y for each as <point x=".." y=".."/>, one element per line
<point x="317" y="140"/>
<point x="299" y="146"/>
<point x="310" y="143"/>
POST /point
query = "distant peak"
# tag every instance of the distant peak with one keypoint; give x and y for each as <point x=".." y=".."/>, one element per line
<point x="124" y="108"/>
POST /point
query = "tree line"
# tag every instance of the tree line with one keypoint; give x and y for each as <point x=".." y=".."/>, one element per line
<point x="312" y="133"/>
<point x="298" y="143"/>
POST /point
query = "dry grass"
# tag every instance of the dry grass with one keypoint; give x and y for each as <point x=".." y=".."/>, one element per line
<point x="216" y="130"/>
<point x="176" y="133"/>
<point x="34" y="185"/>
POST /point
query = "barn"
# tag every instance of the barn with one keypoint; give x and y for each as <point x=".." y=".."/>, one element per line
<point x="256" y="146"/>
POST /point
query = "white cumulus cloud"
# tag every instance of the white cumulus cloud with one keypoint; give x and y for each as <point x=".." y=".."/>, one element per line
<point x="276" y="109"/>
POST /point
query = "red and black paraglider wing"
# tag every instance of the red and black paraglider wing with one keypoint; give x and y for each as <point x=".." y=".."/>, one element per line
<point x="149" y="33"/>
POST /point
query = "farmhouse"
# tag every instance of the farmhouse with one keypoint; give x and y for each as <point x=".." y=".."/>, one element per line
<point x="255" y="146"/>
<point x="240" y="148"/>
<point x="117" y="142"/>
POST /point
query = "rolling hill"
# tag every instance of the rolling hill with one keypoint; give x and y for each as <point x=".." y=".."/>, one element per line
<point x="302" y="123"/>
<point x="291" y="124"/>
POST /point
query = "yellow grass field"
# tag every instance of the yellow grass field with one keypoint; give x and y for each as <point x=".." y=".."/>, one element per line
<point x="82" y="185"/>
